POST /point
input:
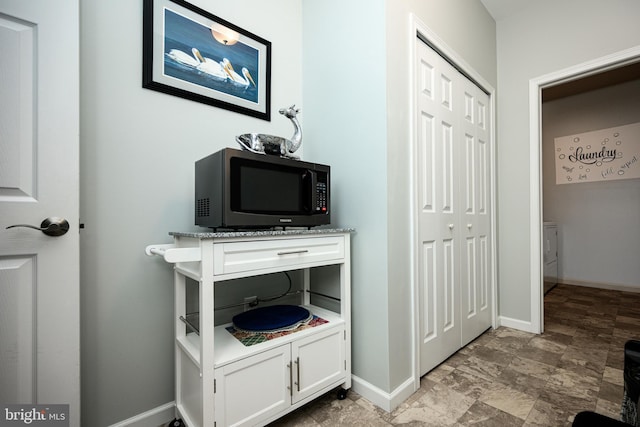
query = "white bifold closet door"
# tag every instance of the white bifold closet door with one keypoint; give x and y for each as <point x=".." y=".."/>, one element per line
<point x="453" y="177"/>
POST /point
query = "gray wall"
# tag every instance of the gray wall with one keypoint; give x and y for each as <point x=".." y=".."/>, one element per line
<point x="548" y="36"/>
<point x="359" y="124"/>
<point x="137" y="152"/>
<point x="599" y="238"/>
<point x="344" y="91"/>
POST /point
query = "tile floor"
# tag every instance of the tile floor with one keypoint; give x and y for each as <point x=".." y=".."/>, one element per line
<point x="512" y="378"/>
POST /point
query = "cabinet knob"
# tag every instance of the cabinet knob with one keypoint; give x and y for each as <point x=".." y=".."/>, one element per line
<point x="450" y="226"/>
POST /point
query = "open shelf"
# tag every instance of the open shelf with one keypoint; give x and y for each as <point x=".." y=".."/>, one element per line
<point x="229" y="349"/>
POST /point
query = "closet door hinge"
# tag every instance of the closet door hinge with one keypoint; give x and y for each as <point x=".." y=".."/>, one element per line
<point x="214" y="387"/>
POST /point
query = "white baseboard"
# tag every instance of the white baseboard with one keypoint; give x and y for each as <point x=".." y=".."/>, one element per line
<point x="380" y="398"/>
<point x="154" y="417"/>
<point x="520" y="325"/>
<point x="610" y="286"/>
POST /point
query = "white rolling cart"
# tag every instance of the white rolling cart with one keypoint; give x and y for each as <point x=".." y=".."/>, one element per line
<point x="221" y="382"/>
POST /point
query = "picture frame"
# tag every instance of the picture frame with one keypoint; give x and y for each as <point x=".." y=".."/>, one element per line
<point x="193" y="54"/>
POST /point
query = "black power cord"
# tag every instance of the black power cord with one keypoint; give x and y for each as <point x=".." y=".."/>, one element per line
<point x="268" y="299"/>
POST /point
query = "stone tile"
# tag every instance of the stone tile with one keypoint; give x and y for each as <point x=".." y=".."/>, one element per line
<point x="350" y="414"/>
<point x="296" y="419"/>
<point x="557" y="337"/>
<point x="441" y="406"/>
<point x="481" y="368"/>
<point x="615" y="358"/>
<point x="611" y="392"/>
<point x="527" y="384"/>
<point x="541" y="342"/>
<point x="610" y="409"/>
<point x="468" y="384"/>
<point x="532" y="368"/>
<point x="440" y="372"/>
<point x="483" y="415"/>
<point x="426" y="384"/>
<point x="507" y="399"/>
<point x="493" y="355"/>
<point x="539" y="355"/>
<point x="564" y="404"/>
<point x="560" y="328"/>
<point x="628" y="320"/>
<point x="574" y="384"/>
<point x="589" y="340"/>
<point x="613" y="375"/>
<point x="584" y="361"/>
<point x="544" y="414"/>
<point x="456" y="359"/>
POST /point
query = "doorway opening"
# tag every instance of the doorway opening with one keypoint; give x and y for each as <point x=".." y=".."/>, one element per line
<point x="577" y="79"/>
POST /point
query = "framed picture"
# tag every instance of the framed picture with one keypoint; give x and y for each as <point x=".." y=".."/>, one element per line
<point x="191" y="53"/>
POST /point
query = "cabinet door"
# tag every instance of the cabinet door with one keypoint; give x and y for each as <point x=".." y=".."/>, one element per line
<point x="253" y="389"/>
<point x="318" y="361"/>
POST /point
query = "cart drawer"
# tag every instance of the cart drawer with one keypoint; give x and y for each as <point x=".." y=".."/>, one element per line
<point x="235" y="257"/>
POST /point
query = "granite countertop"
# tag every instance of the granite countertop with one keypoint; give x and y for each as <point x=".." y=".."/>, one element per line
<point x="259" y="233"/>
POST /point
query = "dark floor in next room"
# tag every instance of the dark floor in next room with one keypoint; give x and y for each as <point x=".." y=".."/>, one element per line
<point x="512" y="378"/>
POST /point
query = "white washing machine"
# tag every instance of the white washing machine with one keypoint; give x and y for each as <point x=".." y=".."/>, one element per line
<point x="550" y="255"/>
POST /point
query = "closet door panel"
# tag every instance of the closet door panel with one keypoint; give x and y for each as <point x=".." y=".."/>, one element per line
<point x="475" y="218"/>
<point x="437" y="187"/>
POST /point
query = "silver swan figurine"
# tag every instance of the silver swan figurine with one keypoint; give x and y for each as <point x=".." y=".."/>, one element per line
<point x="275" y="145"/>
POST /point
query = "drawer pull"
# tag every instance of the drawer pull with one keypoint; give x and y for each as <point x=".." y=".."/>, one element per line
<point x="301" y="251"/>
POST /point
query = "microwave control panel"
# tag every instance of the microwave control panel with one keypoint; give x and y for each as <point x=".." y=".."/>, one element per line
<point x="321" y="197"/>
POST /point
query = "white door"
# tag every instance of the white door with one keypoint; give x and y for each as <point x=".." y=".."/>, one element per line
<point x="318" y="361"/>
<point x="437" y="183"/>
<point x="453" y="215"/>
<point x="475" y="224"/>
<point x="254" y="389"/>
<point x="39" y="274"/>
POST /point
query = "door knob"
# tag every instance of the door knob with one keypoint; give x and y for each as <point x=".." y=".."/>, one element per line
<point x="52" y="226"/>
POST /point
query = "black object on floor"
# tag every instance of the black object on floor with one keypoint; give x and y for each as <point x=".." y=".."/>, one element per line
<point x="591" y="419"/>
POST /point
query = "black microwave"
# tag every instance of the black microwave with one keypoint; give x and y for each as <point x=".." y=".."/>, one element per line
<point x="239" y="189"/>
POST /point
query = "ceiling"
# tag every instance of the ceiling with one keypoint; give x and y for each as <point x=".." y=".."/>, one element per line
<point x="502" y="9"/>
<point x="612" y="77"/>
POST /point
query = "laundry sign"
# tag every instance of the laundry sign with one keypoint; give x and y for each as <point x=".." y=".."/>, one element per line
<point x="601" y="155"/>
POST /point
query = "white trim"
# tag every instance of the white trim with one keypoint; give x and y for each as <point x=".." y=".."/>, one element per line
<point x="520" y="325"/>
<point x="158" y="416"/>
<point x="535" y="227"/>
<point x="536" y="85"/>
<point x="413" y="228"/>
<point x="417" y="26"/>
<point x="380" y="398"/>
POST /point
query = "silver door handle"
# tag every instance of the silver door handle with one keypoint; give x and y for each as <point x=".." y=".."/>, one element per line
<point x="52" y="226"/>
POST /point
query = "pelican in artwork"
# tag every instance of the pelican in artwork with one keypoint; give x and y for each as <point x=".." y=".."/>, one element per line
<point x="183" y="58"/>
<point x="205" y="65"/>
<point x="243" y="81"/>
<point x="209" y="66"/>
